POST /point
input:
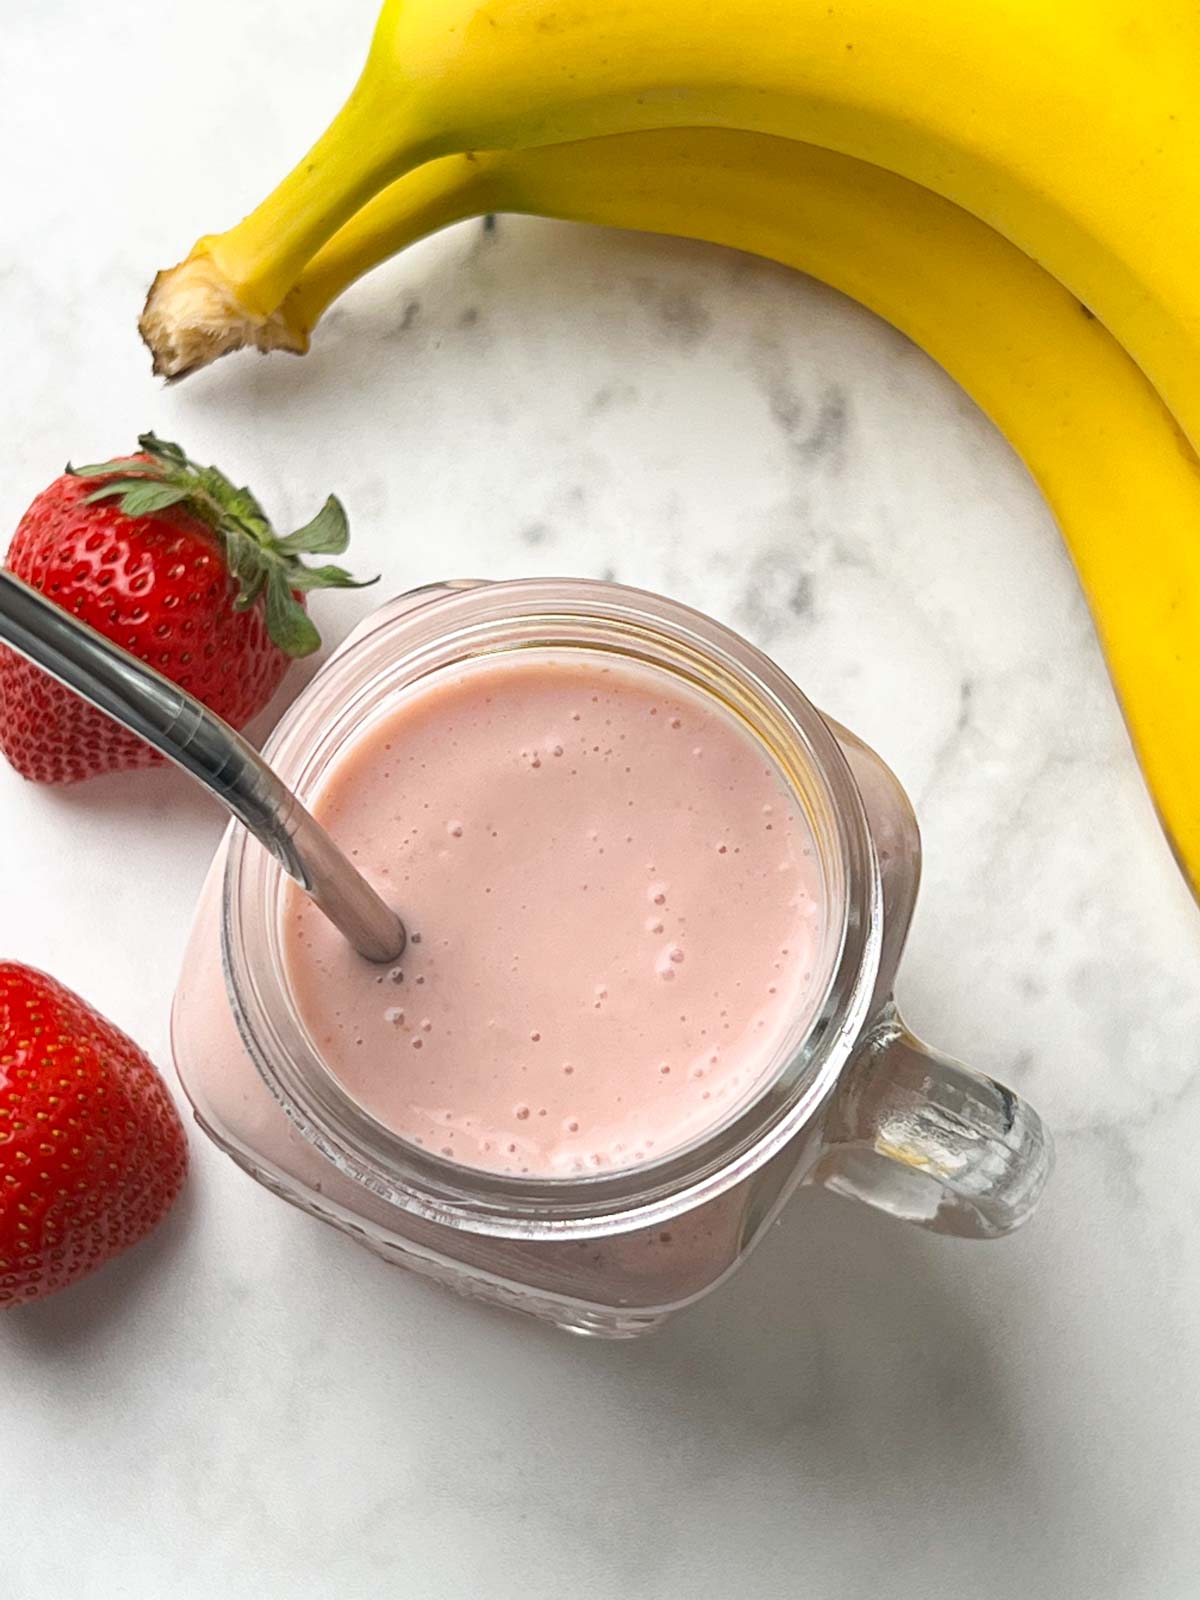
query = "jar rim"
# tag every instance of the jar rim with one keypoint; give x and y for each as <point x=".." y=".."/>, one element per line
<point x="444" y="625"/>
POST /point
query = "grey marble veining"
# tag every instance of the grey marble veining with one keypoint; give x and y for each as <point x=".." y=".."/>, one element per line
<point x="248" y="1405"/>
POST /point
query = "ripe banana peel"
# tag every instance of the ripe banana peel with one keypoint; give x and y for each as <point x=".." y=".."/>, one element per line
<point x="1072" y="127"/>
<point x="1123" y="482"/>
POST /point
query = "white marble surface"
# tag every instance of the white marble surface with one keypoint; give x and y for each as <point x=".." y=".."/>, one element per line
<point x="250" y="1406"/>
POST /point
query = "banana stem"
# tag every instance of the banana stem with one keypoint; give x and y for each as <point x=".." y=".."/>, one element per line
<point x="226" y="294"/>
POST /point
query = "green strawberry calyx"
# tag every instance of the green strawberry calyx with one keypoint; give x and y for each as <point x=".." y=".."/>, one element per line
<point x="262" y="563"/>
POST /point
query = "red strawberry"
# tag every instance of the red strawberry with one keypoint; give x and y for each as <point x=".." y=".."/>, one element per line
<point x="173" y="562"/>
<point x="92" y="1151"/>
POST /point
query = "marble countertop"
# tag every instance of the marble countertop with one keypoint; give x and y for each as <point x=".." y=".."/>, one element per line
<point x="249" y="1405"/>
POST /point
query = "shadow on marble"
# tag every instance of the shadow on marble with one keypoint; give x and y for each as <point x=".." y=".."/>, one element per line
<point x="118" y="796"/>
<point x="854" y="1373"/>
<point x="862" y="1360"/>
<point x="530" y="274"/>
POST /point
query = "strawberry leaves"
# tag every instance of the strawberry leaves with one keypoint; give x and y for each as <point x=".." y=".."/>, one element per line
<point x="327" y="534"/>
<point x="141" y="499"/>
<point x="260" y="561"/>
<point x="288" y="623"/>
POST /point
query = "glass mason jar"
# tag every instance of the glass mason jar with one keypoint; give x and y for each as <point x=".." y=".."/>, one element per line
<point x="852" y="1100"/>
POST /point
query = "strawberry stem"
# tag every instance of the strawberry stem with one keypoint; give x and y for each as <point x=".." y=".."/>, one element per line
<point x="259" y="560"/>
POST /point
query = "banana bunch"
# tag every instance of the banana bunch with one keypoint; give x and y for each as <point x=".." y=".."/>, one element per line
<point x="923" y="165"/>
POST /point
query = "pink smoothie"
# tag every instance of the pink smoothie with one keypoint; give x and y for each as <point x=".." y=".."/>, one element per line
<point x="614" y="905"/>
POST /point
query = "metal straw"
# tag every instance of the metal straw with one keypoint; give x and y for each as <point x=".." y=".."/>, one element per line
<point x="190" y="735"/>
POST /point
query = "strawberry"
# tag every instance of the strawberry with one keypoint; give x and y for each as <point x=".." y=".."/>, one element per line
<point x="92" y="1151"/>
<point x="180" y="567"/>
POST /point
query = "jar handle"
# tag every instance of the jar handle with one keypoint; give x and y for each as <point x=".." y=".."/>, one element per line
<point x="922" y="1137"/>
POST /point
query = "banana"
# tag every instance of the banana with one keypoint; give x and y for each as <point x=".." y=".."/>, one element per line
<point x="1092" y="431"/>
<point x="1070" y="127"/>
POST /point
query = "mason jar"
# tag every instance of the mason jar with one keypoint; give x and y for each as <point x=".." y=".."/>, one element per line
<point x="849" y="1100"/>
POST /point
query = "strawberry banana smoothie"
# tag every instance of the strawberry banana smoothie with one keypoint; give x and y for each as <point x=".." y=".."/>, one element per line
<point x="614" y="907"/>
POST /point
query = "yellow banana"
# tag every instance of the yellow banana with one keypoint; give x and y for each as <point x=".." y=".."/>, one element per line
<point x="1122" y="481"/>
<point x="1071" y="127"/>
